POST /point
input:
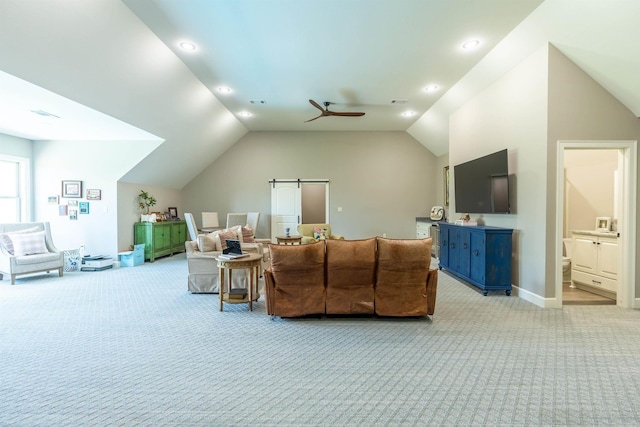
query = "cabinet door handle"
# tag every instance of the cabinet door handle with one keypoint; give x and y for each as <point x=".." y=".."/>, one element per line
<point x="475" y="252"/>
<point x="444" y="243"/>
<point x="453" y="245"/>
<point x="464" y="245"/>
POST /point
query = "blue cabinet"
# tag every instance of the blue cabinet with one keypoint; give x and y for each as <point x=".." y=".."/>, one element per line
<point x="479" y="255"/>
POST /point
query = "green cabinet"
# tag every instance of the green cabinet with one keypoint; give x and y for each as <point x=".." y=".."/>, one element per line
<point x="160" y="238"/>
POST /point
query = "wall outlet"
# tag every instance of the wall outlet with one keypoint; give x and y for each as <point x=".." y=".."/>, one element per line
<point x="384" y="234"/>
<point x="339" y="208"/>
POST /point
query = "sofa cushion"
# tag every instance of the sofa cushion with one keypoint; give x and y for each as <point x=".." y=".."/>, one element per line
<point x="298" y="279"/>
<point x="401" y="277"/>
<point x="5" y="238"/>
<point x="223" y="236"/>
<point x="351" y="266"/>
<point x="29" y="243"/>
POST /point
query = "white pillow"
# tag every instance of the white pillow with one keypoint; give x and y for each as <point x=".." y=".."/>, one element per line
<point x="29" y="243"/>
<point x="206" y="242"/>
<point x="5" y="238"/>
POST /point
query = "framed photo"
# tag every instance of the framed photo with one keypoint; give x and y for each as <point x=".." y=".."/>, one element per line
<point x="173" y="212"/>
<point x="83" y="207"/>
<point x="72" y="203"/>
<point x="446" y="185"/>
<point x="62" y="210"/>
<point x="73" y="214"/>
<point x="72" y="189"/>
<point x="52" y="200"/>
<point x="603" y="223"/>
<point x="94" y="194"/>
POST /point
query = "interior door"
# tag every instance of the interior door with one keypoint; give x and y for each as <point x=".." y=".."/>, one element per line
<point x="286" y="208"/>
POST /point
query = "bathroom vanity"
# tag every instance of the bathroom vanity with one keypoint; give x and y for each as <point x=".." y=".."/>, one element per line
<point x="594" y="261"/>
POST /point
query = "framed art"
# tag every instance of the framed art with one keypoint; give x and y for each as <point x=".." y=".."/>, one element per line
<point x="73" y="214"/>
<point x="72" y="189"/>
<point x="94" y="194"/>
<point x="52" y="200"/>
<point x="62" y="210"/>
<point x="83" y="207"/>
<point x="446" y="185"/>
<point x="173" y="212"/>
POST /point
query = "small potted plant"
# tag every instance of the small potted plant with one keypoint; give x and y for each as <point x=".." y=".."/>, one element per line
<point x="145" y="201"/>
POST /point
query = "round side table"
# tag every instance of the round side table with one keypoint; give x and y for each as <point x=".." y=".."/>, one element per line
<point x="251" y="263"/>
<point x="288" y="240"/>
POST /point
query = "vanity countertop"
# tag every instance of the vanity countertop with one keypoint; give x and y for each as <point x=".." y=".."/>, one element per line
<point x="597" y="233"/>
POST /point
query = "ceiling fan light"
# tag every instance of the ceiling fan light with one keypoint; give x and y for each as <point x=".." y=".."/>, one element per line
<point x="409" y="113"/>
<point x="244" y="114"/>
<point x="431" y="88"/>
<point x="224" y="89"/>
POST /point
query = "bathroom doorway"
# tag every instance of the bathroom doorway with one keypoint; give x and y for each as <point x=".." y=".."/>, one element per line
<point x="619" y="201"/>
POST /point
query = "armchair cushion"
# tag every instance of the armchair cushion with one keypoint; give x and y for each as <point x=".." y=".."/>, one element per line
<point x="7" y="243"/>
<point x="320" y="233"/>
<point x="29" y="243"/>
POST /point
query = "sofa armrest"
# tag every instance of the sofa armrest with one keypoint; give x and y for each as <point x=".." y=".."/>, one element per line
<point x="336" y="237"/>
<point x="264" y="241"/>
<point x="307" y="239"/>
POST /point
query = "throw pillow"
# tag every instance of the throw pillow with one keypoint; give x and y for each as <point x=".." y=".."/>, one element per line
<point x="320" y="233"/>
<point x="5" y="238"/>
<point x="29" y="243"/>
<point x="247" y="234"/>
<point x="223" y="236"/>
<point x="207" y="242"/>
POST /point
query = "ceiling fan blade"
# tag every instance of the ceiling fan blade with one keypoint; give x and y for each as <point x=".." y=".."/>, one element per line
<point x="315" y="104"/>
<point x="310" y="120"/>
<point x="346" y="114"/>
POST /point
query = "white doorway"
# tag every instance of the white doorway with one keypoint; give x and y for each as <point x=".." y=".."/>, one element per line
<point x="624" y="206"/>
<point x="296" y="201"/>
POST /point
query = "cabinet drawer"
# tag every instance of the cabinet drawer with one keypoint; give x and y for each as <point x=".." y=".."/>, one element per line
<point x="600" y="282"/>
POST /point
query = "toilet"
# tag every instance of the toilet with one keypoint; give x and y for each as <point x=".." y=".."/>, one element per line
<point x="567" y="247"/>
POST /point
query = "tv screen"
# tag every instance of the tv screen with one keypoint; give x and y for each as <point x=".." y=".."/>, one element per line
<point x="482" y="185"/>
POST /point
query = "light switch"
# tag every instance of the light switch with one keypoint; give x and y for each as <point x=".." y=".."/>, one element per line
<point x="339" y="208"/>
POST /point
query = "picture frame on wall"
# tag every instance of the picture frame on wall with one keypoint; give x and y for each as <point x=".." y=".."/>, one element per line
<point x="83" y="207"/>
<point x="62" y="210"/>
<point x="72" y="189"/>
<point x="73" y="214"/>
<point x="52" y="200"/>
<point x="94" y="194"/>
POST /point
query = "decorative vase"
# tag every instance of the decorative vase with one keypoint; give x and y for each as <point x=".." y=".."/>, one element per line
<point x="286" y="230"/>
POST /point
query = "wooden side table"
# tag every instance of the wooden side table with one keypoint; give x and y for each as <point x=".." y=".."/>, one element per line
<point x="251" y="263"/>
<point x="289" y="240"/>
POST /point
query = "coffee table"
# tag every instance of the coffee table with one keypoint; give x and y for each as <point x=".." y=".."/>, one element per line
<point x="251" y="263"/>
<point x="289" y="240"/>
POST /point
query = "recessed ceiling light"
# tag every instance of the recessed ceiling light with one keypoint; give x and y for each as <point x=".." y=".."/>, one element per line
<point x="409" y="113"/>
<point x="244" y="114"/>
<point x="431" y="88"/>
<point x="224" y="89"/>
<point x="188" y="46"/>
<point x="471" y="44"/>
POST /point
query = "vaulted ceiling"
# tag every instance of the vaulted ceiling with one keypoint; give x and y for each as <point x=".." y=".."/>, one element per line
<point x="374" y="56"/>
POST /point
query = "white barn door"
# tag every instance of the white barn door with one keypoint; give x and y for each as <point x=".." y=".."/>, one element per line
<point x="286" y="208"/>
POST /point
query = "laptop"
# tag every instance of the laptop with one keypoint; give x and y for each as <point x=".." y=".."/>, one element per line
<point x="233" y="250"/>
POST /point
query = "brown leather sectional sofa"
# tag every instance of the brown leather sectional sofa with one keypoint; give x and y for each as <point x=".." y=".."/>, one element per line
<point x="387" y="277"/>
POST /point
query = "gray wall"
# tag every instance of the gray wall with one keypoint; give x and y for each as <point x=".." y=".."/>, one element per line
<point x="382" y="180"/>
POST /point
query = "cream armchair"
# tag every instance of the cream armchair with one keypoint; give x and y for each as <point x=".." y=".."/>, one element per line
<point x="28" y="248"/>
<point x="307" y="232"/>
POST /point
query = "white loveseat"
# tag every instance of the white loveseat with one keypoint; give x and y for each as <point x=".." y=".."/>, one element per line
<point x="203" y="272"/>
<point x="27" y="248"/>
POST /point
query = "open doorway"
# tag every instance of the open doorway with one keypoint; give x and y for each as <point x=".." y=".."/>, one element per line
<point x="623" y="199"/>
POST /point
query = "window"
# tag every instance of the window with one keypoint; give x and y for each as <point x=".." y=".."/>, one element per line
<point x="13" y="189"/>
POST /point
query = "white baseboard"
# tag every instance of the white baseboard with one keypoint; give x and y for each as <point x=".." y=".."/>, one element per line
<point x="535" y="298"/>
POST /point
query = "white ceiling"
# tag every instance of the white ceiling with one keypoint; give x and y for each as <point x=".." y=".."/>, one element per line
<point x="360" y="54"/>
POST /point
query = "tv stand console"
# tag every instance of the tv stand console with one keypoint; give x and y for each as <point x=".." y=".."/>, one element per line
<point x="479" y="255"/>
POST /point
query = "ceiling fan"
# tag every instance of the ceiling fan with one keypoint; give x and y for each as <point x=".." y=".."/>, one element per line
<point x="326" y="112"/>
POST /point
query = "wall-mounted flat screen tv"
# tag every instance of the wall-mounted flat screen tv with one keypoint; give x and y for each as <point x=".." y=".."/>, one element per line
<point x="482" y="185"/>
